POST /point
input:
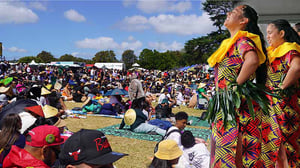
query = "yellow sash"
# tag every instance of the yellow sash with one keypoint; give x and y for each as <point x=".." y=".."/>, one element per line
<point x="280" y="51"/>
<point x="219" y="55"/>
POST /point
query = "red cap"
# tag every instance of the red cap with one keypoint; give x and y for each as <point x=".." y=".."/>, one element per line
<point x="36" y="109"/>
<point x="44" y="135"/>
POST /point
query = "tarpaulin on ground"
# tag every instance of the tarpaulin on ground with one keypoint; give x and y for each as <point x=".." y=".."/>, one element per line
<point x="197" y="122"/>
<point x="125" y="132"/>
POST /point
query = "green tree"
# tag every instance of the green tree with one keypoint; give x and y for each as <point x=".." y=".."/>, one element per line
<point x="46" y="57"/>
<point x="148" y="59"/>
<point x="169" y="60"/>
<point x="105" y="56"/>
<point x="152" y="59"/>
<point x="199" y="49"/>
<point x="217" y="10"/>
<point x="87" y="61"/>
<point x="128" y="58"/>
<point x="28" y="59"/>
<point x="67" y="57"/>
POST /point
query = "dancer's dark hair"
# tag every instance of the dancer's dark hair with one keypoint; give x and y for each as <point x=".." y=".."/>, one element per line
<point x="252" y="27"/>
<point x="290" y="35"/>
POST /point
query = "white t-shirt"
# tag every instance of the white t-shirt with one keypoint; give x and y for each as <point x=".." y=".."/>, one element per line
<point x="92" y="72"/>
<point x="179" y="99"/>
<point x="195" y="157"/>
<point x="176" y="136"/>
<point x="44" y="101"/>
<point x="162" y="97"/>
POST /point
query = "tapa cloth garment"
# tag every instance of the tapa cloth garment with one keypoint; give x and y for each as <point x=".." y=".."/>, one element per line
<point x="285" y="112"/>
<point x="255" y="153"/>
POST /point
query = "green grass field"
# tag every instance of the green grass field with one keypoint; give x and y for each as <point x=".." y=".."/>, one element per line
<point x="140" y="151"/>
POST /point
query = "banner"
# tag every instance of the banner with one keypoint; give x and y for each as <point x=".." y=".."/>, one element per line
<point x="0" y="48"/>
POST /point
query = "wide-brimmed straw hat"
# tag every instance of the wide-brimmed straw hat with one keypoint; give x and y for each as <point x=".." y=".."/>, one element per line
<point x="57" y="86"/>
<point x="87" y="83"/>
<point x="201" y="85"/>
<point x="42" y="72"/>
<point x="4" y="89"/>
<point x="168" y="150"/>
<point x="49" y="111"/>
<point x="129" y="117"/>
<point x="45" y="91"/>
<point x="48" y="86"/>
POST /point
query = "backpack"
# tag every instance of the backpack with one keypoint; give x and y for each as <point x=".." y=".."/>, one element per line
<point x="165" y="137"/>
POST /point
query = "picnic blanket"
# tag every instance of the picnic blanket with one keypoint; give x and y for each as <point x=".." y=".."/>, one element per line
<point x="197" y="122"/>
<point x="125" y="132"/>
<point x="104" y="115"/>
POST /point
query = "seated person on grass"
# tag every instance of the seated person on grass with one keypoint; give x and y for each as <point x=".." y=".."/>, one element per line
<point x="195" y="154"/>
<point x="137" y="119"/>
<point x="88" y="149"/>
<point x="164" y="110"/>
<point x="180" y="124"/>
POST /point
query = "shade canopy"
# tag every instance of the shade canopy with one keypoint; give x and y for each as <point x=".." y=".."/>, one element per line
<point x="269" y="10"/>
<point x="135" y="65"/>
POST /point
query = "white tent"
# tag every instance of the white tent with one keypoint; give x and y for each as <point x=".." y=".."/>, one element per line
<point x="33" y="63"/>
<point x="135" y="65"/>
<point x="143" y="69"/>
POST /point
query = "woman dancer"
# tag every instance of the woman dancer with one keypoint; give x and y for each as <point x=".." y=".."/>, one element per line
<point x="284" y="59"/>
<point x="243" y="57"/>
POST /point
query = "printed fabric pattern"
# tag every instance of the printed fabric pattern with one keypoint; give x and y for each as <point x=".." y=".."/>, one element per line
<point x="224" y="141"/>
<point x="286" y="111"/>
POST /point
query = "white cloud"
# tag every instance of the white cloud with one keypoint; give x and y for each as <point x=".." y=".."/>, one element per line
<point x="162" y="46"/>
<point x="73" y="15"/>
<point x="131" y="45"/>
<point x="83" y="55"/>
<point x="15" y="49"/>
<point x="38" y="6"/>
<point x="16" y="13"/>
<point x="101" y="43"/>
<point x="131" y="38"/>
<point x="155" y="6"/>
<point x="182" y="25"/>
<point x="105" y="43"/>
<point x="127" y="3"/>
<point x="181" y="7"/>
<point x="134" y="23"/>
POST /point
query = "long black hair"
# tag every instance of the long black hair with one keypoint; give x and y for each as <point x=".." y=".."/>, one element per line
<point x="140" y="103"/>
<point x="252" y="27"/>
<point x="290" y="35"/>
<point x="10" y="130"/>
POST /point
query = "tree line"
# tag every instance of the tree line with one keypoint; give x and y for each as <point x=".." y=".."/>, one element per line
<point x="195" y="51"/>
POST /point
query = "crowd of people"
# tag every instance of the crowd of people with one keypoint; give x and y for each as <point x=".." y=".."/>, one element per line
<point x="32" y="102"/>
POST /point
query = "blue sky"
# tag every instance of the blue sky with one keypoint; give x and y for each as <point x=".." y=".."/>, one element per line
<point x="82" y="28"/>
